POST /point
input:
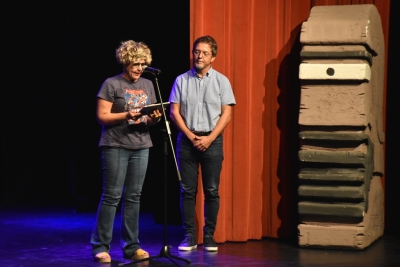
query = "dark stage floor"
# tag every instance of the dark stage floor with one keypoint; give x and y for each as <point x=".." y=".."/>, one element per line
<point x="60" y="237"/>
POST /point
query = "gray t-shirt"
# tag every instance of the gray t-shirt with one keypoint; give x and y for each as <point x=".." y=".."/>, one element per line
<point x="126" y="95"/>
<point x="201" y="99"/>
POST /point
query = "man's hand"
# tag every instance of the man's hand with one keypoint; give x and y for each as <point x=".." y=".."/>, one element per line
<point x="202" y="142"/>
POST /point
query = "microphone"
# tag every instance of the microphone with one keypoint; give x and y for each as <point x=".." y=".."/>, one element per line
<point x="152" y="70"/>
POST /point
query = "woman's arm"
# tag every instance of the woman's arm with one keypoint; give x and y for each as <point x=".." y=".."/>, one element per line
<point x="104" y="115"/>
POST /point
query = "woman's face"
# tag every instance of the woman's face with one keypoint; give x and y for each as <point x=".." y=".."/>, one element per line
<point x="134" y="70"/>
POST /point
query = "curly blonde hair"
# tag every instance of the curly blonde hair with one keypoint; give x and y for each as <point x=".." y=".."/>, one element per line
<point x="131" y="52"/>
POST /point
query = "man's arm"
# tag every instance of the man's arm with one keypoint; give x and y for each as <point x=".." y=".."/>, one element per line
<point x="226" y="112"/>
<point x="201" y="142"/>
<point x="206" y="141"/>
<point x="177" y="119"/>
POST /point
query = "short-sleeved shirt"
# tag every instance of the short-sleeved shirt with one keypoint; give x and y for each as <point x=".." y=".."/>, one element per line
<point x="201" y="99"/>
<point x="126" y="95"/>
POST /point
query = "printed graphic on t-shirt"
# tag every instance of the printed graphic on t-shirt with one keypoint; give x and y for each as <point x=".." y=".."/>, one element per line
<point x="135" y="99"/>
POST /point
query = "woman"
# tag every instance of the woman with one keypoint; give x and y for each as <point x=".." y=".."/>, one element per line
<point x="124" y="144"/>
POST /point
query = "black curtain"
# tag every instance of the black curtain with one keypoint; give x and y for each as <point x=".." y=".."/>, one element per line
<point x="59" y="54"/>
<point x="392" y="196"/>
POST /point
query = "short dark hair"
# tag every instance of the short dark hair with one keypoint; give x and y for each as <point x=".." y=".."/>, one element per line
<point x="208" y="40"/>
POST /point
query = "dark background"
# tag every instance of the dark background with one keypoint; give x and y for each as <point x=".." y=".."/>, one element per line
<point x="59" y="55"/>
<point x="56" y="57"/>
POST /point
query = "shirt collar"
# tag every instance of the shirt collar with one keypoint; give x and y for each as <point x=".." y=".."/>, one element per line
<point x="208" y="74"/>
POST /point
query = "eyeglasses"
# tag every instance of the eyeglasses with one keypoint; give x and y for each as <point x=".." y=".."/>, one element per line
<point x="136" y="65"/>
<point x="198" y="53"/>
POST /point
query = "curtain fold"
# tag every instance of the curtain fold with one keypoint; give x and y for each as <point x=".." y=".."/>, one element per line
<point x="258" y="50"/>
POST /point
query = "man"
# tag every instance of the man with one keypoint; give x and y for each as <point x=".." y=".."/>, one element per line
<point x="201" y="105"/>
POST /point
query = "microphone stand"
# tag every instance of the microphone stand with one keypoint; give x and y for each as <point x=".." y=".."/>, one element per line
<point x="165" y="250"/>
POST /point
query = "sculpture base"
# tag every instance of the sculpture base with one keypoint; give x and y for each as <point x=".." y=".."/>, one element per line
<point x="348" y="236"/>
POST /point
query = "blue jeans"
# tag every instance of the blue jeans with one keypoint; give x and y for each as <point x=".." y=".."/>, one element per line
<point x="124" y="171"/>
<point x="210" y="161"/>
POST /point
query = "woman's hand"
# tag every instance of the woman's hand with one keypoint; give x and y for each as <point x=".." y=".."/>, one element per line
<point x="155" y="116"/>
<point x="132" y="115"/>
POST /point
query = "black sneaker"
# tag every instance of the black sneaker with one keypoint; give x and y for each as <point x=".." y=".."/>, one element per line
<point x="209" y="244"/>
<point x="188" y="243"/>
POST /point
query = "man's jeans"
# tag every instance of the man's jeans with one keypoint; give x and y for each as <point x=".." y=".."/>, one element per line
<point x="124" y="171"/>
<point x="210" y="161"/>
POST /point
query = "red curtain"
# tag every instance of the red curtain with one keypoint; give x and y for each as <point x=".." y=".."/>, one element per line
<point x="258" y="50"/>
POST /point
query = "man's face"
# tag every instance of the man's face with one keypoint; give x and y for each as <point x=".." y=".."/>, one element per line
<point x="134" y="70"/>
<point x="202" y="57"/>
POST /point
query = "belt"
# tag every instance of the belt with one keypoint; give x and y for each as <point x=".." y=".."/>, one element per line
<point x="202" y="133"/>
